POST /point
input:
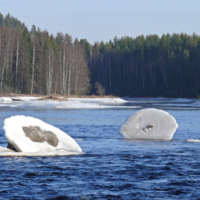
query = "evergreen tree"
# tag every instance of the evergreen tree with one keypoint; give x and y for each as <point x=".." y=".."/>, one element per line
<point x="1" y="20"/>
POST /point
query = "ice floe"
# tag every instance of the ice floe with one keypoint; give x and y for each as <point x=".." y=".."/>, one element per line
<point x="193" y="140"/>
<point x="149" y="124"/>
<point x="35" y="137"/>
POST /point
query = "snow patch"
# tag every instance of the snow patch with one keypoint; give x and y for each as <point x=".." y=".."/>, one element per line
<point x="70" y="103"/>
<point x="6" y="99"/>
<point x="149" y="124"/>
<point x="28" y="134"/>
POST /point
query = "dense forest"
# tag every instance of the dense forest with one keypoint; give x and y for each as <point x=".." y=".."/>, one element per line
<point x="37" y="62"/>
<point x="147" y="66"/>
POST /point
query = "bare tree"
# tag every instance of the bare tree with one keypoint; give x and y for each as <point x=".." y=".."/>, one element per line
<point x="36" y="51"/>
<point x="6" y="52"/>
<point x="49" y="69"/>
<point x="99" y="89"/>
<point x="33" y="62"/>
<point x="18" y="54"/>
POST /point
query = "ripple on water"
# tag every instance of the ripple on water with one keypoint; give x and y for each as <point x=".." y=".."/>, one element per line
<point x="112" y="168"/>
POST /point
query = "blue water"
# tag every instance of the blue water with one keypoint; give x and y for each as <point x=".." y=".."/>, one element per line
<point x="112" y="168"/>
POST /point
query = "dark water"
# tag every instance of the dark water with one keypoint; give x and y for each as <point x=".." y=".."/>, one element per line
<point x="112" y="168"/>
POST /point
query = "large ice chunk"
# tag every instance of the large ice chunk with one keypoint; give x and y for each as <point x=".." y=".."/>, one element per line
<point x="149" y="124"/>
<point x="28" y="134"/>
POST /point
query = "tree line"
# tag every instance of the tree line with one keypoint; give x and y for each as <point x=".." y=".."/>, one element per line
<point x="148" y="66"/>
<point x="38" y="62"/>
<point x="10" y="21"/>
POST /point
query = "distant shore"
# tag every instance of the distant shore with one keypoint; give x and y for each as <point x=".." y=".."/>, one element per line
<point x="57" y="95"/>
<point x="86" y="96"/>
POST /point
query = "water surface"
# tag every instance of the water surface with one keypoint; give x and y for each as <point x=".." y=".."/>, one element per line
<point x="112" y="168"/>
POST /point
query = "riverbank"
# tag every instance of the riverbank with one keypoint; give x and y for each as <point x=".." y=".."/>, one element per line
<point x="90" y="102"/>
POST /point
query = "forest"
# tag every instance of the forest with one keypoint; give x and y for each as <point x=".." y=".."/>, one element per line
<point x="36" y="62"/>
<point x="147" y="66"/>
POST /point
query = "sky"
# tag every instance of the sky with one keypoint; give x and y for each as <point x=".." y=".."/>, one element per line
<point x="102" y="20"/>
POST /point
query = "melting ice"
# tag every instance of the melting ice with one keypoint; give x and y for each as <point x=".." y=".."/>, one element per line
<point x="31" y="136"/>
<point x="149" y="124"/>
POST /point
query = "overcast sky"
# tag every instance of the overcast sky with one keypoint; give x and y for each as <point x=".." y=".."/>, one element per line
<point x="98" y="20"/>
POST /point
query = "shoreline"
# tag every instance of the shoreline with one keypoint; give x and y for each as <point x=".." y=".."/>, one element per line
<point x="92" y="96"/>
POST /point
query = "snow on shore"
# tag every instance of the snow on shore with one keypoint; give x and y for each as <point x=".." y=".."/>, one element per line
<point x="67" y="103"/>
<point x="28" y="134"/>
<point x="149" y="124"/>
<point x="6" y="100"/>
<point x="94" y="103"/>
